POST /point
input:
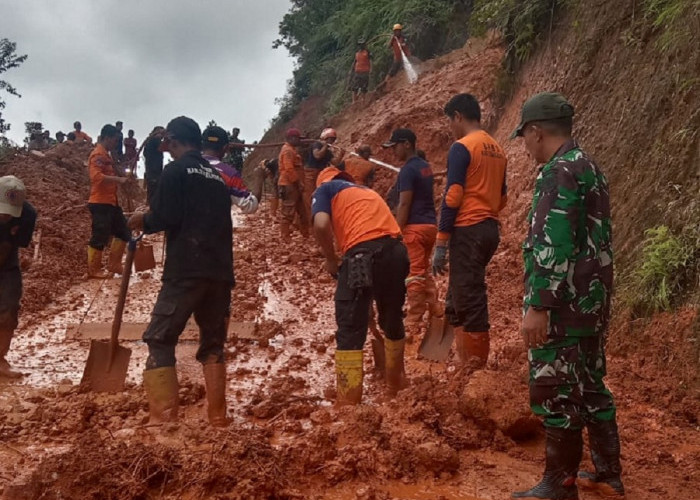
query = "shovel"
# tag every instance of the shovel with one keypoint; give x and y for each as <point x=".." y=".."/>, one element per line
<point x="108" y="362"/>
<point x="438" y="339"/>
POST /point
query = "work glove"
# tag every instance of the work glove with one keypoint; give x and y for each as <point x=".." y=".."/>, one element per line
<point x="440" y="260"/>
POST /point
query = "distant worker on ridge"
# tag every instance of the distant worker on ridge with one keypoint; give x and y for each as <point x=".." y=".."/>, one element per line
<point x="361" y="67"/>
<point x="398" y="44"/>
<point x="81" y="136"/>
<point x="130" y="152"/>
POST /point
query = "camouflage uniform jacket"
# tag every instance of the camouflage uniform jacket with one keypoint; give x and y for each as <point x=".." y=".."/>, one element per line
<point x="568" y="250"/>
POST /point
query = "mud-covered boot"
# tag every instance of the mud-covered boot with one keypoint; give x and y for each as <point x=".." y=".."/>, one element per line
<point x="161" y="388"/>
<point x="563" y="450"/>
<point x="94" y="264"/>
<point x="416" y="304"/>
<point x="604" y="442"/>
<point x="472" y="347"/>
<point x="395" y="372"/>
<point x="348" y="369"/>
<point x="116" y="253"/>
<point x="215" y="383"/>
<point x="285" y="231"/>
<point x="5" y="368"/>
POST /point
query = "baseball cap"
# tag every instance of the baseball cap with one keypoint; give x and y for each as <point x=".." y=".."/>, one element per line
<point x="215" y="136"/>
<point x="293" y="132"/>
<point x="332" y="173"/>
<point x="184" y="129"/>
<point x="400" y="135"/>
<point x="12" y="195"/>
<point x="543" y="106"/>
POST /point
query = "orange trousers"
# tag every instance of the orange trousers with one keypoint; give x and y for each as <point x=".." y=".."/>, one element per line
<point x="420" y="284"/>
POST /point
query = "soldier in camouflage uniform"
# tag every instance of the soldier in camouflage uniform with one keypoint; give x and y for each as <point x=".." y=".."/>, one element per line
<point x="568" y="286"/>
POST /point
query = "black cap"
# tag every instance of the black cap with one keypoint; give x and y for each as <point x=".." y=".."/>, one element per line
<point x="215" y="136"/>
<point x="184" y="129"/>
<point x="400" y="135"/>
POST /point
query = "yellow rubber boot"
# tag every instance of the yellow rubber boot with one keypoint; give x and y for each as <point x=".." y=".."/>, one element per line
<point x="348" y="369"/>
<point x="395" y="372"/>
<point x="161" y="388"/>
<point x="116" y="252"/>
<point x="215" y="382"/>
<point x="94" y="264"/>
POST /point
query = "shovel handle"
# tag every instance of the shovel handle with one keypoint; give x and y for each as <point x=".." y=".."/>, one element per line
<point x="119" y="311"/>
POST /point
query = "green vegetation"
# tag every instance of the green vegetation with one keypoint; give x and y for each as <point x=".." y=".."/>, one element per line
<point x="322" y="35"/>
<point x="678" y="21"/>
<point x="8" y="60"/>
<point x="666" y="273"/>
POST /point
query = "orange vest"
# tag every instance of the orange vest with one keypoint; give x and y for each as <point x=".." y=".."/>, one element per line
<point x="99" y="165"/>
<point x="362" y="63"/>
<point x="482" y="198"/>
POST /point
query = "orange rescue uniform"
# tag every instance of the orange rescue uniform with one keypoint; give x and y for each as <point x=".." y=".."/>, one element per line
<point x="100" y="164"/>
<point x="360" y="169"/>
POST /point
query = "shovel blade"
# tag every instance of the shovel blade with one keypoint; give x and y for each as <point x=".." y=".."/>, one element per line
<point x="99" y="376"/>
<point x="437" y="341"/>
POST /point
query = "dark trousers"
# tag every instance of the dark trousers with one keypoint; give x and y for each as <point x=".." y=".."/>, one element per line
<point x="208" y="300"/>
<point x="471" y="249"/>
<point x="10" y="295"/>
<point x="107" y="220"/>
<point x="388" y="271"/>
<point x="151" y="186"/>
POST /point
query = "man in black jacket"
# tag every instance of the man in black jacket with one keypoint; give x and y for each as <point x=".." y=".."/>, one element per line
<point x="17" y="221"/>
<point x="192" y="205"/>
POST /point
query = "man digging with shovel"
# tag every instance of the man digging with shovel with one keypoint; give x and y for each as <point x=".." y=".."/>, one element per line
<point x="192" y="205"/>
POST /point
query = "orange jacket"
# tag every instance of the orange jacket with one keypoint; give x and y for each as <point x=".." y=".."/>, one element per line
<point x="99" y="165"/>
<point x="362" y="62"/>
<point x="476" y="182"/>
<point x="290" y="165"/>
<point x="359" y="168"/>
<point x="397" y="44"/>
<point x="81" y="136"/>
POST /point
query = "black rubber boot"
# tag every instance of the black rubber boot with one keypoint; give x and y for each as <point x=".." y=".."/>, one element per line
<point x="604" y="441"/>
<point x="564" y="449"/>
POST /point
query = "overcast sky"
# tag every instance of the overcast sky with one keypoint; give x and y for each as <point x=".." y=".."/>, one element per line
<point x="145" y="62"/>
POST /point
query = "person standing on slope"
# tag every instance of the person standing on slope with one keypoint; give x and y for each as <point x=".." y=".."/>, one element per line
<point x="568" y="286"/>
<point x="474" y="195"/>
<point x="361" y="67"/>
<point x="374" y="267"/>
<point x="323" y="154"/>
<point x="398" y="44"/>
<point x="291" y="187"/>
<point x="107" y="216"/>
<point x="153" y="161"/>
<point x="193" y="206"/>
<point x="416" y="218"/>
<point x="17" y="222"/>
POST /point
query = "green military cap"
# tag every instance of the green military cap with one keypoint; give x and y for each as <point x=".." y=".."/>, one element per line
<point x="543" y="106"/>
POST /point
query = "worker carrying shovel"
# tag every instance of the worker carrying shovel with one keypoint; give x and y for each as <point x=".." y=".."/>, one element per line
<point x="193" y="206"/>
<point x="374" y="267"/>
<point x="474" y="195"/>
<point x="17" y="221"/>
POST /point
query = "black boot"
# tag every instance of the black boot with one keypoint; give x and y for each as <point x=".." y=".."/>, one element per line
<point x="564" y="449"/>
<point x="604" y="441"/>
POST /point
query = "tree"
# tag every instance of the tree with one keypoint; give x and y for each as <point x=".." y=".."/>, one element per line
<point x="32" y="129"/>
<point x="8" y="60"/>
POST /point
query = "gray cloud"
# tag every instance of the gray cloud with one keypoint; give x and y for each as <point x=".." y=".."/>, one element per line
<point x="145" y="62"/>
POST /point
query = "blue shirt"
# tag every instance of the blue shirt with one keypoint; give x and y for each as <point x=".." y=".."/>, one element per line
<point x="417" y="176"/>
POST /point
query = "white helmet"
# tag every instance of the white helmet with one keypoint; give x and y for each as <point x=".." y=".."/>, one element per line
<point x="327" y="133"/>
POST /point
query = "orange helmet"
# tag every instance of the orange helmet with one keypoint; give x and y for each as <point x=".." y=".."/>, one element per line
<point x="331" y="173"/>
<point x="397" y="27"/>
<point x="328" y="133"/>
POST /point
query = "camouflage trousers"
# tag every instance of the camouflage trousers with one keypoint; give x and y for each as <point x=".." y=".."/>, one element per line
<point x="566" y="382"/>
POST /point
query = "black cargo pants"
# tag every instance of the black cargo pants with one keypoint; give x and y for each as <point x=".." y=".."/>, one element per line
<point x="471" y="249"/>
<point x="371" y="270"/>
<point x="208" y="300"/>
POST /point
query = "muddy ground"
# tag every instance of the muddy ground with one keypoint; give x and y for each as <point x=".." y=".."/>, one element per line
<point x="449" y="435"/>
